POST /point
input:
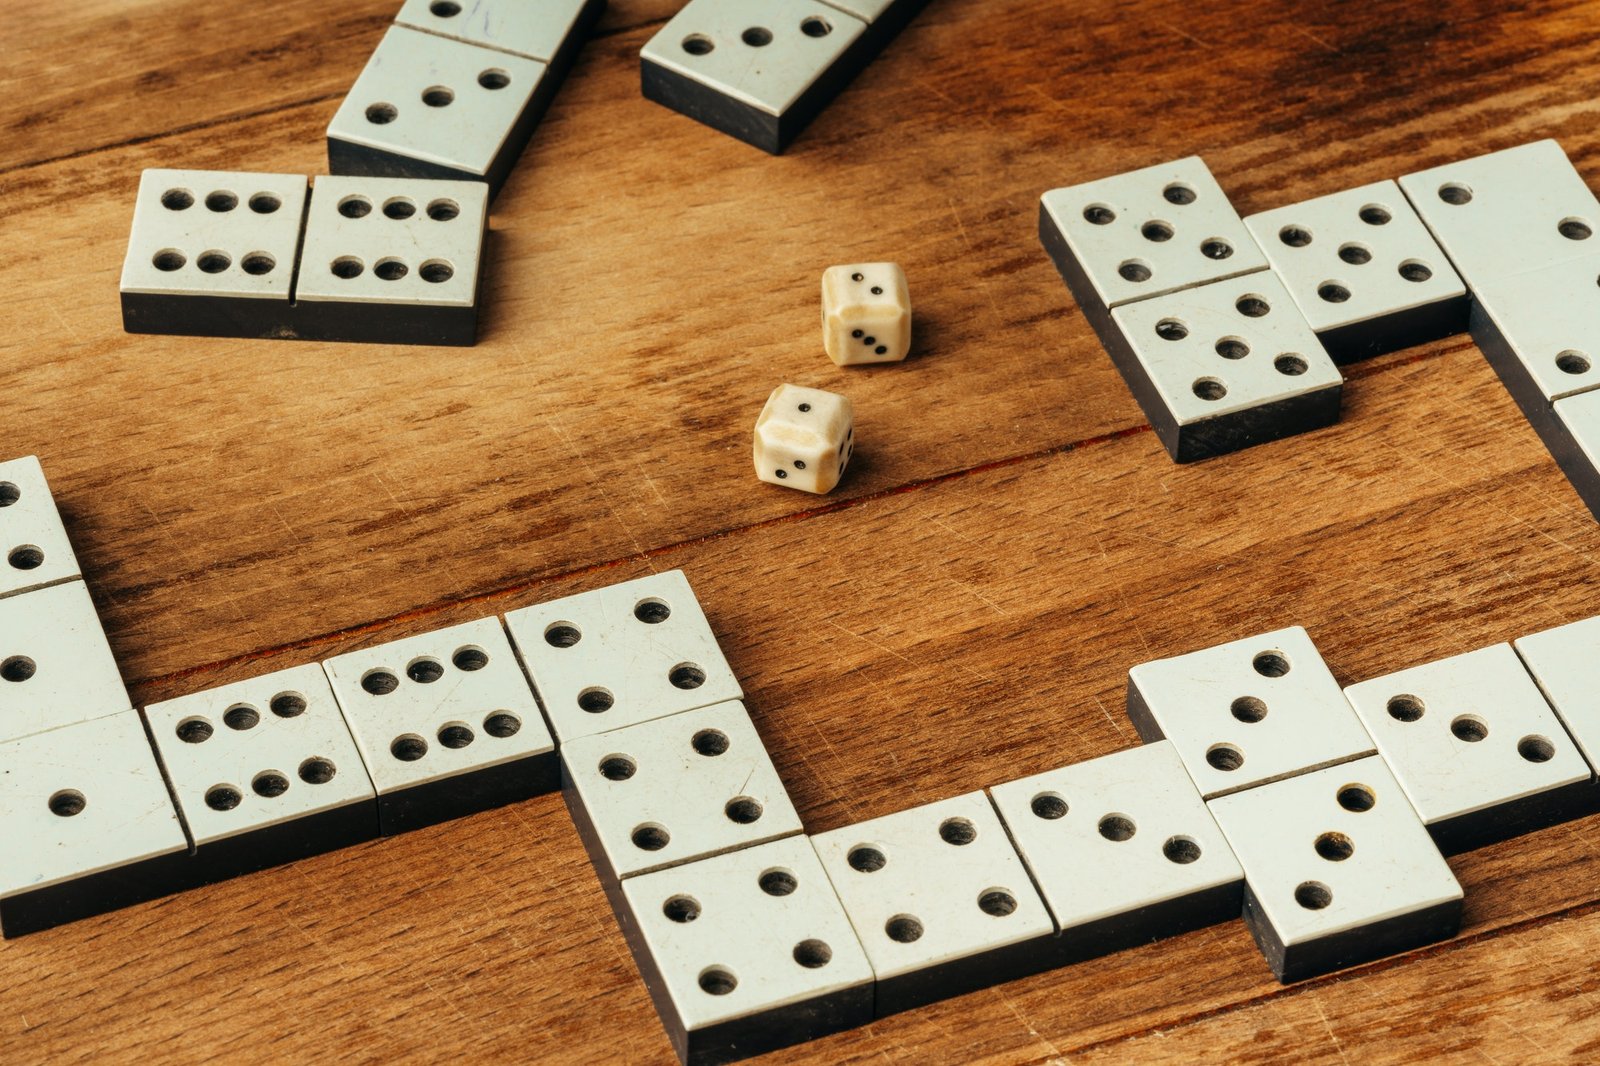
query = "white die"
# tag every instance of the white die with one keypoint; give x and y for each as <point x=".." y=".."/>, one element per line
<point x="866" y="313"/>
<point x="804" y="438"/>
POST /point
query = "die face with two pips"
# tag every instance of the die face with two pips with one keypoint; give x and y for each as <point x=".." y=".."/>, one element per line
<point x="804" y="438"/>
<point x="866" y="313"/>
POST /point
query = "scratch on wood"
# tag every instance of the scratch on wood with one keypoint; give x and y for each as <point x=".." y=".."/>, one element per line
<point x="1011" y="1006"/>
<point x="1308" y="35"/>
<point x="1191" y="38"/>
<point x="1328" y="1026"/>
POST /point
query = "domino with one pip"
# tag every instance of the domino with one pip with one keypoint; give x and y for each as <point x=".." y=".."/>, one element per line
<point x="1565" y="663"/>
<point x="56" y="666"/>
<point x="1538" y="330"/>
<point x="86" y="824"/>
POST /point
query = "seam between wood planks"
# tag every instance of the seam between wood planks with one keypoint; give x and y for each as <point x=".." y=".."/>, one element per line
<point x="244" y="116"/>
<point x="511" y="590"/>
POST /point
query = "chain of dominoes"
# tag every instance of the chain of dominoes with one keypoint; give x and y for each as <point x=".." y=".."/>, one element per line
<point x="389" y="246"/>
<point x="1321" y="815"/>
<point x="1227" y="330"/>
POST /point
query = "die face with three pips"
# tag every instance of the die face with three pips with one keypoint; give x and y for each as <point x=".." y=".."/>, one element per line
<point x="804" y="438"/>
<point x="866" y="313"/>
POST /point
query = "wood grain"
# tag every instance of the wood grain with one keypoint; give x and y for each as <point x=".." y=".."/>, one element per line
<point x="964" y="609"/>
<point x="92" y="75"/>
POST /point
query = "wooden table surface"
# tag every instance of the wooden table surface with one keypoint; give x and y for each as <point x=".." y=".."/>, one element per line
<point x="963" y="610"/>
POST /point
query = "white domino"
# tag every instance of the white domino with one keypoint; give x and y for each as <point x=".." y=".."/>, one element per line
<point x="86" y="824"/>
<point x="212" y="252"/>
<point x="1145" y="233"/>
<point x="747" y="952"/>
<point x="757" y="71"/>
<point x="264" y="771"/>
<point x="940" y="900"/>
<point x="392" y="259"/>
<point x="1338" y="869"/>
<point x="1364" y="270"/>
<point x="1578" y="447"/>
<point x="1520" y="226"/>
<point x="621" y="655"/>
<point x="456" y="88"/>
<point x="1538" y="329"/>
<point x="1507" y="212"/>
<point x="534" y="30"/>
<point x="446" y="723"/>
<point x="674" y="789"/>
<point x="1247" y="712"/>
<point x="382" y="260"/>
<point x="1224" y="366"/>
<point x="1123" y="850"/>
<point x="215" y="233"/>
<point x="1565" y="663"/>
<point x="32" y="537"/>
<point x="429" y="107"/>
<point x="1547" y="322"/>
<point x="1479" y="752"/>
<point x="55" y="665"/>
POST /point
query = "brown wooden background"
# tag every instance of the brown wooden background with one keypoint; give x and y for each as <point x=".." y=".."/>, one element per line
<point x="962" y="611"/>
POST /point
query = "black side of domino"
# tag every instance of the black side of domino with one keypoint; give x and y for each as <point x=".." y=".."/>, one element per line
<point x="221" y="316"/>
<point x="1367" y="340"/>
<point x="1391" y="936"/>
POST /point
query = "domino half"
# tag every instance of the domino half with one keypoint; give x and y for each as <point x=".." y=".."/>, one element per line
<point x="455" y="90"/>
<point x="1520" y="225"/>
<point x="761" y="70"/>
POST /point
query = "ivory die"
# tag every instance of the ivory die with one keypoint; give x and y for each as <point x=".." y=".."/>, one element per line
<point x="866" y="313"/>
<point x="804" y="438"/>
